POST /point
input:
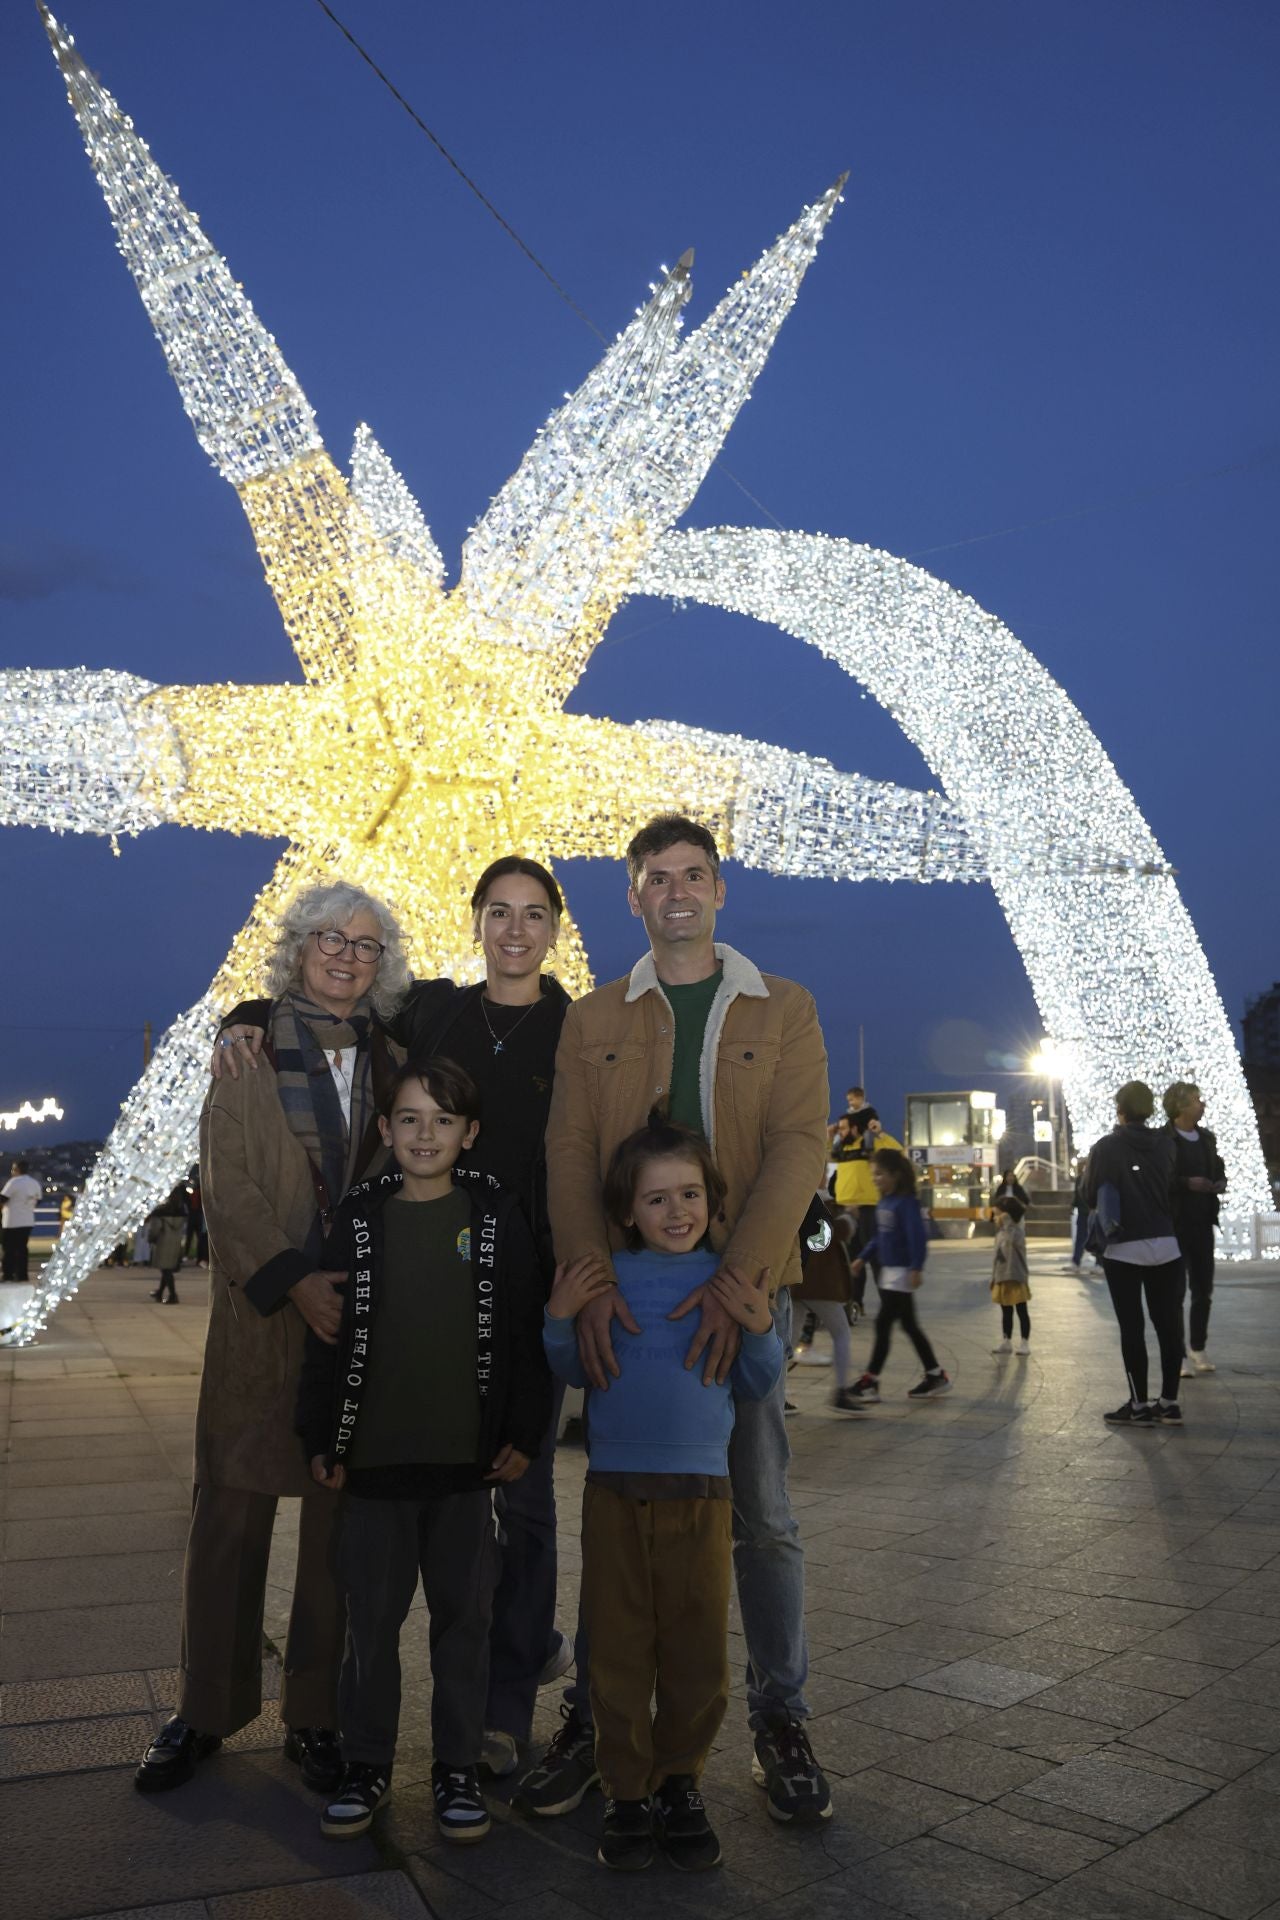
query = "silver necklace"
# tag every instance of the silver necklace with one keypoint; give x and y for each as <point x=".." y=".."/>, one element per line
<point x="498" y="1045"/>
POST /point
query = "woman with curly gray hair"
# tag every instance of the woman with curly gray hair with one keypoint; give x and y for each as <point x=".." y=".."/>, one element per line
<point x="278" y="1149"/>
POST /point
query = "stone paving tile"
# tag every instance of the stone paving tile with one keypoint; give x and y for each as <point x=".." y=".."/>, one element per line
<point x="1095" y="1894"/>
<point x="447" y="1898"/>
<point x="849" y="1743"/>
<point x="75" y="1640"/>
<point x="1223" y="1880"/>
<point x="870" y="1666"/>
<point x="983" y="1682"/>
<point x="1051" y="1852"/>
<point x="88" y="1534"/>
<point x="929" y="1878"/>
<point x="130" y="1496"/>
<point x="1193" y="1749"/>
<point x="840" y="1630"/>
<point x="1181" y="1678"/>
<point x="1235" y="1722"/>
<point x="1241" y="1815"/>
<point x="171" y="1910"/>
<point x="1095" y="1699"/>
<point x="74" y="1746"/>
<point x="963" y="1766"/>
<point x="1045" y="1735"/>
<point x="112" y="1578"/>
<point x="1045" y="1813"/>
<point x="76" y="1471"/>
<point x="27" y="1702"/>
<point x="242" y="1825"/>
<point x="1038" y="1653"/>
<point x="1124" y="1795"/>
<point x="359" y="1896"/>
<point x="907" y="1710"/>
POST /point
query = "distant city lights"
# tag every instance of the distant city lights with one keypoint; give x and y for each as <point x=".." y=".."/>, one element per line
<point x="47" y="1110"/>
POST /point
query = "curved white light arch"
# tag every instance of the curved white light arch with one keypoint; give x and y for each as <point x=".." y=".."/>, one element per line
<point x="1116" y="966"/>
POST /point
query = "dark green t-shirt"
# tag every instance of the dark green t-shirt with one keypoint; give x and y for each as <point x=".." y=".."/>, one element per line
<point x="691" y="1006"/>
<point x="421" y="1404"/>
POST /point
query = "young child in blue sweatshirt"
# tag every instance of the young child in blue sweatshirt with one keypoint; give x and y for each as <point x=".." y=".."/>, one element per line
<point x="657" y="1521"/>
<point x="901" y="1244"/>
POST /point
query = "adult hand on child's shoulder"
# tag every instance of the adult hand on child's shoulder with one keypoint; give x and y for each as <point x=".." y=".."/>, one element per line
<point x="595" y="1340"/>
<point x="718" y="1335"/>
<point x="233" y="1045"/>
<point x="745" y="1300"/>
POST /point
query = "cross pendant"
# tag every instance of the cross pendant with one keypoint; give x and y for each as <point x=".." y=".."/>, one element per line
<point x="497" y="1046"/>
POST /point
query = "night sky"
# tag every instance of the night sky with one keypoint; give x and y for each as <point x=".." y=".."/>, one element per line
<point x="1035" y="354"/>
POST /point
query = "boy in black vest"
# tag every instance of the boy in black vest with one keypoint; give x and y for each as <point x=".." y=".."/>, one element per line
<point x="436" y="1391"/>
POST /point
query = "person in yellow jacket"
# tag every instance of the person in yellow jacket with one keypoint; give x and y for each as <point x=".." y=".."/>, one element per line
<point x="855" y="1190"/>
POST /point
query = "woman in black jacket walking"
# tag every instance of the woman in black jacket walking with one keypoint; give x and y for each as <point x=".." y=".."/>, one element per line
<point x="1129" y="1186"/>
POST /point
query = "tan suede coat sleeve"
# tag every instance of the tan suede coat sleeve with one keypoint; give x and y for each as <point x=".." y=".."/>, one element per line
<point x="574" y="1183"/>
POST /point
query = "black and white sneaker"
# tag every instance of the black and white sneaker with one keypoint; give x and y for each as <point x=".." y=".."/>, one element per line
<point x="866" y="1391"/>
<point x="461" y="1813"/>
<point x="784" y="1765"/>
<point x="680" y="1822"/>
<point x="566" y="1772"/>
<point x="1130" y="1415"/>
<point x="364" y="1787"/>
<point x="626" y="1844"/>
<point x="1169" y="1412"/>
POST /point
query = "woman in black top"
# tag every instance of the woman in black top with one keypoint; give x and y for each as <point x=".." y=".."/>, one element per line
<point x="503" y="1031"/>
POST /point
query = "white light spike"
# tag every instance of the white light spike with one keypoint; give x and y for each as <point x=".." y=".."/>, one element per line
<point x="250" y="415"/>
<point x="392" y="511"/>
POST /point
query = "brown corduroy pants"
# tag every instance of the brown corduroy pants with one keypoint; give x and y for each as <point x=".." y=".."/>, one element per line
<point x="655" y="1596"/>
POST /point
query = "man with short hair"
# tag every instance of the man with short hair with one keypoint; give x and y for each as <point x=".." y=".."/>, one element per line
<point x="699" y="1031"/>
<point x="20" y="1193"/>
<point x="1199" y="1177"/>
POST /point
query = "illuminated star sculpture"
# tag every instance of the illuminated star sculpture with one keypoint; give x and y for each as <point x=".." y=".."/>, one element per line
<point x="429" y="734"/>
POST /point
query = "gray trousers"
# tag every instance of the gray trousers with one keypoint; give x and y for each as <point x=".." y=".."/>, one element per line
<point x="224" y="1584"/>
<point x="385" y="1544"/>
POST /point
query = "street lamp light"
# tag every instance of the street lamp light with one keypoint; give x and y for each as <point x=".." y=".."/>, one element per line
<point x="1048" y="1061"/>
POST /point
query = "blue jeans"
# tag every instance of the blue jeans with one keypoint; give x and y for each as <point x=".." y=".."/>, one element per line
<point x="1077" y="1241"/>
<point x="768" y="1558"/>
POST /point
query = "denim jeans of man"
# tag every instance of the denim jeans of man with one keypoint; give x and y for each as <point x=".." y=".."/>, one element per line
<point x="768" y="1558"/>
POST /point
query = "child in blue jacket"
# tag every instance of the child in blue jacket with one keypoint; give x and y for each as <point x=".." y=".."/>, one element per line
<point x="657" y="1519"/>
<point x="902" y="1247"/>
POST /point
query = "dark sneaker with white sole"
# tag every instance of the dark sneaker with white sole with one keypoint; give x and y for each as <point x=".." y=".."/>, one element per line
<point x="680" y="1823"/>
<point x="461" y="1813"/>
<point x="932" y="1387"/>
<point x="865" y="1392"/>
<point x="1130" y="1416"/>
<point x="1169" y="1412"/>
<point x="364" y="1787"/>
<point x="626" y="1844"/>
<point x="566" y="1772"/>
<point x="785" y="1767"/>
<point x="173" y="1756"/>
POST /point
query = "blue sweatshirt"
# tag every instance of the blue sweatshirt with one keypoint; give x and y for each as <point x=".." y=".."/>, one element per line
<point x="657" y="1417"/>
<point x="900" y="1239"/>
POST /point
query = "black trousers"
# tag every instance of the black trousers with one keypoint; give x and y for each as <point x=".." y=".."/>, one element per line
<point x="1196" y="1244"/>
<point x="1024" y="1321"/>
<point x="385" y="1545"/>
<point x="899" y="1309"/>
<point x="15" y="1252"/>
<point x="1162" y="1287"/>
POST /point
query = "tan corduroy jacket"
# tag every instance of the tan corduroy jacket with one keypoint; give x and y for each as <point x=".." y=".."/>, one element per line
<point x="764" y="1108"/>
<point x="259" y="1201"/>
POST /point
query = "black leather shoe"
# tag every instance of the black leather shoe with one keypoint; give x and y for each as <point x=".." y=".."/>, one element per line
<point x="316" y="1751"/>
<point x="173" y="1756"/>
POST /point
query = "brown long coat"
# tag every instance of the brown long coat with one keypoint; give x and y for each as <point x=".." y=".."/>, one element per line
<point x="259" y="1201"/>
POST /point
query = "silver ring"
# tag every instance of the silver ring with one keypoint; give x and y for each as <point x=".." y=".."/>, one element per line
<point x="226" y="1040"/>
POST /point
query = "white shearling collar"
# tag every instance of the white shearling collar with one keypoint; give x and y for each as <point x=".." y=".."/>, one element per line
<point x="741" y="976"/>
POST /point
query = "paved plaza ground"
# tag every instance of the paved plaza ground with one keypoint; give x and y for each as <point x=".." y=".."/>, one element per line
<point x="1045" y="1654"/>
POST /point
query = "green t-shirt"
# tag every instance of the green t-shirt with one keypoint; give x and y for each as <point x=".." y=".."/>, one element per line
<point x="421" y="1404"/>
<point x="691" y="1006"/>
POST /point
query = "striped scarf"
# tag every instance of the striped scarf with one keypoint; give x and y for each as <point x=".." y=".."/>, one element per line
<point x="300" y="1032"/>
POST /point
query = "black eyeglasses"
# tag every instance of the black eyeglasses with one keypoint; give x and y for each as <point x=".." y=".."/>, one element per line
<point x="370" y="951"/>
